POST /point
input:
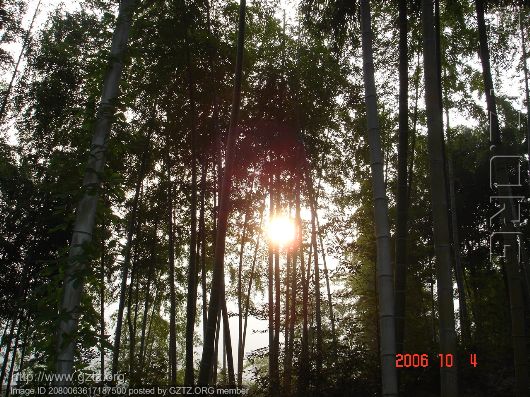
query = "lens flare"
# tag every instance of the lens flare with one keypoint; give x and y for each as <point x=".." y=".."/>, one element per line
<point x="281" y="230"/>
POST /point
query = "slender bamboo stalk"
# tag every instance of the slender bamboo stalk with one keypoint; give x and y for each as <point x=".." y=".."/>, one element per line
<point x="277" y="296"/>
<point x="172" y="293"/>
<point x="216" y="351"/>
<point x="410" y="171"/>
<point x="20" y="331"/>
<point x="102" y="307"/>
<point x="318" y="312"/>
<point x="131" y="227"/>
<point x="402" y="198"/>
<point x="147" y="298"/>
<point x="228" y="346"/>
<point x="202" y="237"/>
<point x="292" y="320"/>
<point x="500" y="173"/>
<point x="156" y="308"/>
<point x="440" y="208"/>
<point x="287" y="310"/>
<point x="6" y="326"/>
<point x="527" y="91"/>
<point x="8" y="349"/>
<point x="240" y="297"/>
<point x="192" y="271"/>
<point x="3" y="107"/>
<point x="224" y="207"/>
<point x="86" y="211"/>
<point x="382" y="229"/>
<point x="328" y="285"/>
<point x="270" y="274"/>
<point x="250" y="281"/>
<point x="304" y="354"/>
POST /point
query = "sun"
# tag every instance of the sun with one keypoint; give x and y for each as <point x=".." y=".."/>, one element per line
<point x="281" y="230"/>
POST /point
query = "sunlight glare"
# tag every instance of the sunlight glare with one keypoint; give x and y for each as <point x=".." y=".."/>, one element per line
<point x="281" y="230"/>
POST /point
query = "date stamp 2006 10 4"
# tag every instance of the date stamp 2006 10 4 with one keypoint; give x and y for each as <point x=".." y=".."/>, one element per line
<point x="422" y="360"/>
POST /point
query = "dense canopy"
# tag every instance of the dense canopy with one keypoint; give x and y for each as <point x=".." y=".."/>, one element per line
<point x="305" y="198"/>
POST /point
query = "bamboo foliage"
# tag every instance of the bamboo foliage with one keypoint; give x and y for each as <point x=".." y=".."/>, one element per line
<point x="225" y="116"/>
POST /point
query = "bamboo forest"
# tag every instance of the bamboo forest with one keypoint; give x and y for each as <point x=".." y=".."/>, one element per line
<point x="277" y="198"/>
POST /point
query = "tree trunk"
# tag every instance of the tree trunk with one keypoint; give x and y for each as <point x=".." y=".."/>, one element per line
<point x="8" y="350"/>
<point x="459" y="271"/>
<point x="86" y="211"/>
<point x="328" y="286"/>
<point x="172" y="294"/>
<point x="239" y="300"/>
<point x="131" y="320"/>
<point x="3" y="108"/>
<point x="448" y="381"/>
<point x="527" y="91"/>
<point x="24" y="349"/>
<point x="127" y="256"/>
<point x="277" y="296"/>
<point x="250" y="281"/>
<point x="292" y="320"/>
<point x="270" y="274"/>
<point x="508" y="230"/>
<point x="413" y="131"/>
<point x="385" y="286"/>
<point x="228" y="345"/>
<point x="304" y="354"/>
<point x="102" y="308"/>
<point x="216" y="351"/>
<point x="20" y="331"/>
<point x="156" y="306"/>
<point x="3" y="340"/>
<point x="192" y="271"/>
<point x="147" y="298"/>
<point x="402" y="196"/>
<point x="133" y="287"/>
<point x="224" y="207"/>
<point x="287" y="312"/>
<point x="318" y="313"/>
<point x="202" y="232"/>
<point x="13" y="357"/>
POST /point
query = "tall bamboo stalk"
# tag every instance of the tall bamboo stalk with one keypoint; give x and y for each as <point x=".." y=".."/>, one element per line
<point x="224" y="206"/>
<point x="385" y="285"/>
<point x="3" y="107"/>
<point x="250" y="281"/>
<point x="191" y="301"/>
<point x="318" y="312"/>
<point x="86" y="210"/>
<point x="304" y="353"/>
<point x="102" y="306"/>
<point x="9" y="338"/>
<point x="328" y="285"/>
<point x="270" y="275"/>
<point x="527" y="91"/>
<point x="277" y="295"/>
<point x="500" y="173"/>
<point x="440" y="208"/>
<point x="171" y="260"/>
<point x="240" y="297"/>
<point x="402" y="197"/>
<point x="131" y="227"/>
<point x="20" y="331"/>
